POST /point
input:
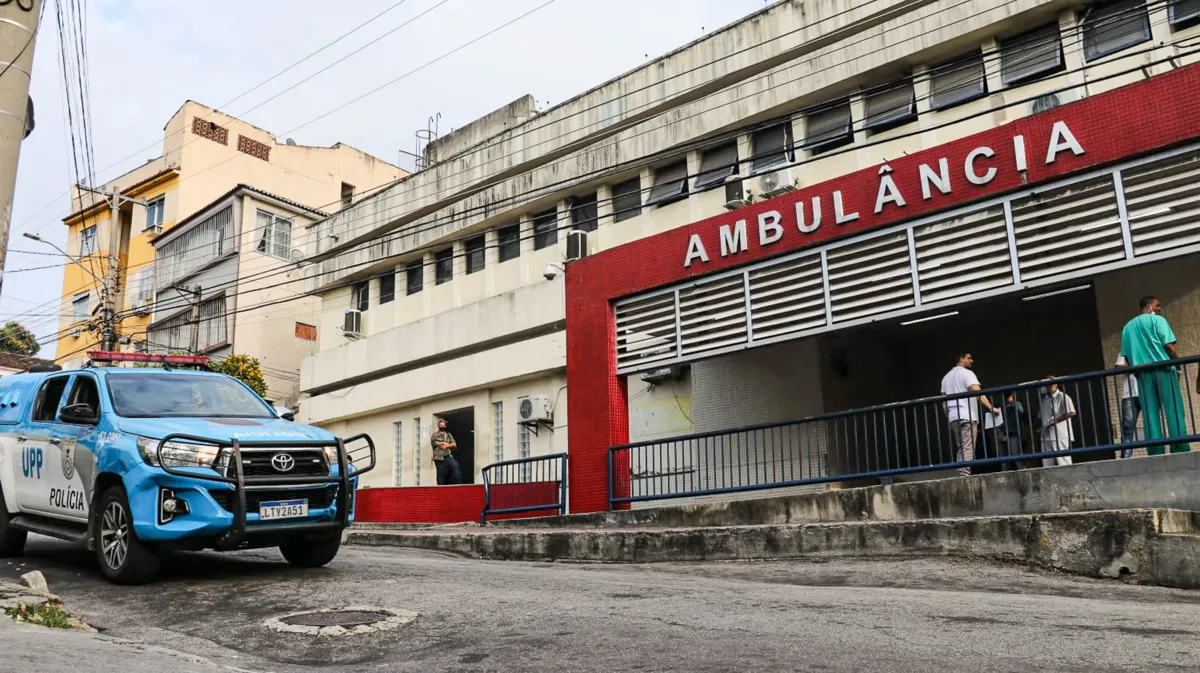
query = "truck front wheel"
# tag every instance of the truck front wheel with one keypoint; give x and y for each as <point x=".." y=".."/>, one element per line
<point x="313" y="552"/>
<point x="12" y="541"/>
<point x="123" y="558"/>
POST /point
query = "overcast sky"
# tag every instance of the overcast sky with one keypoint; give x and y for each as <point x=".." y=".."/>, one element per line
<point x="148" y="56"/>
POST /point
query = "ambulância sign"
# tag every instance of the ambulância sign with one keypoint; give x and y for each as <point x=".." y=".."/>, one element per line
<point x="869" y="198"/>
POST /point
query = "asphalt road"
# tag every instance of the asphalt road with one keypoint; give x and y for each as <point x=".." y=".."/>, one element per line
<point x="880" y="615"/>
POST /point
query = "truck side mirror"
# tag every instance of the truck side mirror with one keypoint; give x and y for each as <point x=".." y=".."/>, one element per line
<point x="81" y="414"/>
<point x="285" y="413"/>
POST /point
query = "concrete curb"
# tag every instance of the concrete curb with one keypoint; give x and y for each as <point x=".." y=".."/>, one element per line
<point x="1115" y="543"/>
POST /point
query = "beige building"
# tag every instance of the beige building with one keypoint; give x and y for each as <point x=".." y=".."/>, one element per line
<point x="453" y="310"/>
<point x="196" y="216"/>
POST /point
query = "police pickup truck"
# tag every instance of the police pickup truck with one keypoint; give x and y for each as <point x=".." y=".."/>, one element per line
<point x="138" y="461"/>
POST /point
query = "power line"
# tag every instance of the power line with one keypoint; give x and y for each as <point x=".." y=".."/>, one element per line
<point x="832" y="153"/>
<point x="416" y="227"/>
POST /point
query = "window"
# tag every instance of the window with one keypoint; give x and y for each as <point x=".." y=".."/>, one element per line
<point x="627" y="200"/>
<point x="1032" y="55"/>
<point x="347" y="195"/>
<point x="87" y="241"/>
<point x="957" y="82"/>
<point x="46" y="407"/>
<point x="1113" y="26"/>
<point x="829" y="128"/>
<point x="154" y="212"/>
<point x="276" y="239"/>
<point x="670" y="184"/>
<point x="85" y="392"/>
<point x="194" y="248"/>
<point x="443" y="266"/>
<point x="79" y="308"/>
<point x="509" y="239"/>
<point x="524" y="442"/>
<point x="174" y="335"/>
<point x="387" y="288"/>
<point x="417" y="442"/>
<point x="1184" y="13"/>
<point x="584" y="213"/>
<point x="497" y="431"/>
<point x="397" y="467"/>
<point x="475" y="254"/>
<point x="414" y="276"/>
<point x="360" y="294"/>
<point x="140" y="287"/>
<point x="716" y="165"/>
<point x="545" y="229"/>
<point x="306" y="332"/>
<point x="771" y="147"/>
<point x="890" y="106"/>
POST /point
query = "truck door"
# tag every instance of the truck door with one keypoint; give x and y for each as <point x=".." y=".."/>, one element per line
<point x="70" y="452"/>
<point x="32" y="470"/>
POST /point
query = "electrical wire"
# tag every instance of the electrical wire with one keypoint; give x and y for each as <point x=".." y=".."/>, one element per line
<point x="672" y="151"/>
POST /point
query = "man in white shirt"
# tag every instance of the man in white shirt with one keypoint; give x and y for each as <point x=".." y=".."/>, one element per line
<point x="1057" y="430"/>
<point x="963" y="414"/>
<point x="1131" y="407"/>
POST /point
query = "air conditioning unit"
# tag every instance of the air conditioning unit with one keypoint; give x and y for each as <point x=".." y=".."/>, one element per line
<point x="353" y="325"/>
<point x="769" y="185"/>
<point x="154" y="230"/>
<point x="534" y="410"/>
<point x="577" y="245"/>
<point x="297" y="255"/>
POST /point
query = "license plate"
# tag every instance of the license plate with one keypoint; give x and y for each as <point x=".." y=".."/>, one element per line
<point x="283" y="509"/>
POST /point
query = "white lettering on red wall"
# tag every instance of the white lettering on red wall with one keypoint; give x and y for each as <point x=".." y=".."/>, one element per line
<point x="894" y="186"/>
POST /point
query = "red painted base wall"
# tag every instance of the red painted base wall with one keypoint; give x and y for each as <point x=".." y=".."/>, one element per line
<point x="450" y="504"/>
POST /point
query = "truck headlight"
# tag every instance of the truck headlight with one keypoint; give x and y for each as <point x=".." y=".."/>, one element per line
<point x="178" y="454"/>
<point x="331" y="457"/>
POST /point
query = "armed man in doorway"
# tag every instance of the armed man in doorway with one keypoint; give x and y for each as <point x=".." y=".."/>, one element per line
<point x="448" y="471"/>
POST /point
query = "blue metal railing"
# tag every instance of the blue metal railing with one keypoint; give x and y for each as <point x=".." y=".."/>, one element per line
<point x="889" y="440"/>
<point x="535" y="484"/>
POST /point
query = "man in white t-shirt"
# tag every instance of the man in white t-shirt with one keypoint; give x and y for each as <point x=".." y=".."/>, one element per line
<point x="963" y="414"/>
<point x="1131" y="407"/>
<point x="1057" y="430"/>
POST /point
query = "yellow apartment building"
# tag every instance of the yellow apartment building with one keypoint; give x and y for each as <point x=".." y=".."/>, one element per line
<point x="207" y="158"/>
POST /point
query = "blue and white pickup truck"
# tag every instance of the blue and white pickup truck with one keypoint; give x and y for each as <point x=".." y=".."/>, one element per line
<point x="137" y="461"/>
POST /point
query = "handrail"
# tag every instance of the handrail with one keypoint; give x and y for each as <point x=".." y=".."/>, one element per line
<point x="528" y="487"/>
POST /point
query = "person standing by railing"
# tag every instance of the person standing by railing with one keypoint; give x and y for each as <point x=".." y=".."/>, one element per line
<point x="1131" y="407"/>
<point x="1058" y="433"/>
<point x="1147" y="339"/>
<point x="963" y="414"/>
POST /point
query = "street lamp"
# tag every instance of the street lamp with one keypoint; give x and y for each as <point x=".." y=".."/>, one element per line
<point x="39" y="239"/>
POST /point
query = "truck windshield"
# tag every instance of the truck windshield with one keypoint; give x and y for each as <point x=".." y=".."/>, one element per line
<point x="153" y="395"/>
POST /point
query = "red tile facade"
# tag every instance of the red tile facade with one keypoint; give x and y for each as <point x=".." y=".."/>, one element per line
<point x="1109" y="127"/>
<point x="450" y="504"/>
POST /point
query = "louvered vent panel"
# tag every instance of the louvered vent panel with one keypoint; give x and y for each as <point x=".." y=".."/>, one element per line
<point x="870" y="278"/>
<point x="645" y="330"/>
<point x="712" y="314"/>
<point x="1068" y="228"/>
<point x="1162" y="201"/>
<point x="963" y="255"/>
<point x="787" y="297"/>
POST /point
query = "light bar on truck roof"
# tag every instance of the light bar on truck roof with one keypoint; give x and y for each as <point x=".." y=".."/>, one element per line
<point x="176" y="360"/>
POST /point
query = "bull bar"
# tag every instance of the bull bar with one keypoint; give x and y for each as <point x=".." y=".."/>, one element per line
<point x="238" y="531"/>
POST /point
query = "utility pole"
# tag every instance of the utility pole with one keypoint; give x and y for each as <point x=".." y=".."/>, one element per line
<point x="18" y="32"/>
<point x="108" y="334"/>
<point x="194" y="344"/>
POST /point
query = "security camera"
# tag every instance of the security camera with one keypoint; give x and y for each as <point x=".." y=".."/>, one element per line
<point x="552" y="271"/>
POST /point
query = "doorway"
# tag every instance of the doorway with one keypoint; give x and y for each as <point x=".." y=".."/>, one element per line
<point x="461" y="424"/>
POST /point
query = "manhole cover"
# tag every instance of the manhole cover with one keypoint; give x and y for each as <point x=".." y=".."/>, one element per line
<point x="343" y="618"/>
<point x="341" y="622"/>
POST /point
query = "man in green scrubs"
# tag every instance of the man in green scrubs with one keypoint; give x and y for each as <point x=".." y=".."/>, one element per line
<point x="1147" y="339"/>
